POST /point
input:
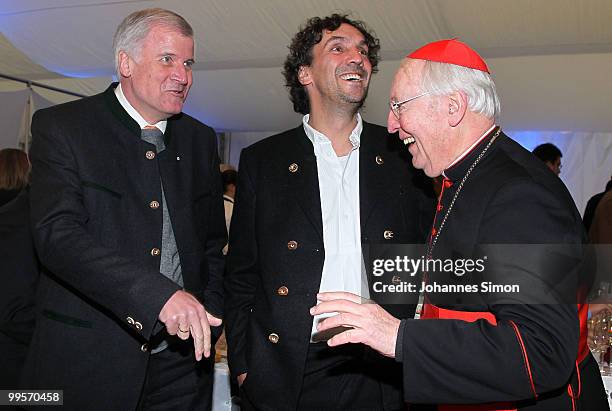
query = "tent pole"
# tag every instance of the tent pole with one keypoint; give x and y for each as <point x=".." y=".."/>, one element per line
<point x="36" y="84"/>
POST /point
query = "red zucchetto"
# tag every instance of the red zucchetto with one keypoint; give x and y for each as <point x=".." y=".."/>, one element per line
<point x="450" y="51"/>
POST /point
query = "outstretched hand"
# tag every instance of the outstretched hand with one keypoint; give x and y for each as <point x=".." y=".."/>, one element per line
<point x="368" y="322"/>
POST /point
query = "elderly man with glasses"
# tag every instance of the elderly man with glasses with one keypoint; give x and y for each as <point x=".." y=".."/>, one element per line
<point x="503" y="221"/>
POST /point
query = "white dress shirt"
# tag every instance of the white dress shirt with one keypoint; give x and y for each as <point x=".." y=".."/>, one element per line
<point x="343" y="268"/>
<point x="135" y="114"/>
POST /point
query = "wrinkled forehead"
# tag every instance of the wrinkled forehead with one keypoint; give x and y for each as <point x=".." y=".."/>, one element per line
<point x="167" y="39"/>
<point x="407" y="79"/>
<point x="412" y="70"/>
<point x="345" y="33"/>
<point x="162" y="31"/>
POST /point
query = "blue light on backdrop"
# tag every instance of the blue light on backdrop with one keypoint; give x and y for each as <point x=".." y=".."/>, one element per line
<point x="531" y="139"/>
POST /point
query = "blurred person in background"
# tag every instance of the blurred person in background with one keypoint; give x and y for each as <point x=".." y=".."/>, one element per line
<point x="229" y="177"/>
<point x="14" y="174"/>
<point x="229" y="191"/>
<point x="589" y="211"/>
<point x="598" y="223"/>
<point x="20" y="269"/>
<point x="550" y="155"/>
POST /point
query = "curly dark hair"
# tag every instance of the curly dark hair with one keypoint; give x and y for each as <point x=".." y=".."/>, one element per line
<point x="300" y="53"/>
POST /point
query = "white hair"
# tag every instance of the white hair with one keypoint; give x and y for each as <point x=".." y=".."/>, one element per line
<point x="443" y="79"/>
<point x="135" y="27"/>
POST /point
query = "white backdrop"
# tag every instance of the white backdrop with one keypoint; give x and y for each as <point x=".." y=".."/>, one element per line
<point x="13" y="104"/>
<point x="16" y="115"/>
<point x="586" y="162"/>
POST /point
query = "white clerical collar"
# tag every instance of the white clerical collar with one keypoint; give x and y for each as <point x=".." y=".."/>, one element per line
<point x="135" y="114"/>
<point x="317" y="137"/>
<point x="469" y="149"/>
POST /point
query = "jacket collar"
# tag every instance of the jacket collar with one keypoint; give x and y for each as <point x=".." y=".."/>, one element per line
<point x="317" y="137"/>
<point x="459" y="167"/>
<point x="128" y="122"/>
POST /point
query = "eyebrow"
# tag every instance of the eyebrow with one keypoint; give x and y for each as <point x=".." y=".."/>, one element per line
<point x="342" y="39"/>
<point x="335" y="38"/>
<point x="164" y="53"/>
<point x="174" y="55"/>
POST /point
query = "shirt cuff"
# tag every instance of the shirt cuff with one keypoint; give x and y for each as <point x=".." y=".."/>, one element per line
<point x="398" y="343"/>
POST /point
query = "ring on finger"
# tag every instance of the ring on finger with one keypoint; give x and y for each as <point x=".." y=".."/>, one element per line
<point x="183" y="331"/>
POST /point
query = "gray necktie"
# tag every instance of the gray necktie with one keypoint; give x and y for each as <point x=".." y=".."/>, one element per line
<point x="170" y="265"/>
<point x="154" y="136"/>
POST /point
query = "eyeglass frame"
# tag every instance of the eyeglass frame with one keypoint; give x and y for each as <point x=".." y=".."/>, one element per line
<point x="395" y="106"/>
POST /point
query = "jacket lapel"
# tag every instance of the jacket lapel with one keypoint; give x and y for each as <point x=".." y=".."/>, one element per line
<point x="303" y="179"/>
<point x="170" y="163"/>
<point x="371" y="173"/>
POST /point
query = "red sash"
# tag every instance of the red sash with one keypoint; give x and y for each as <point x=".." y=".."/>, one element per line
<point x="433" y="312"/>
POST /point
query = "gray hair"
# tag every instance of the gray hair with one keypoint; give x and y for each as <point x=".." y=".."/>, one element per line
<point x="135" y="27"/>
<point x="443" y="79"/>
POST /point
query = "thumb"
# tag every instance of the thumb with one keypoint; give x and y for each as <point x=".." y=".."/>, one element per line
<point x="212" y="320"/>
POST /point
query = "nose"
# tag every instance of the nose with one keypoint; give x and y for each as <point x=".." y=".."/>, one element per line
<point x="180" y="74"/>
<point x="357" y="57"/>
<point x="393" y="124"/>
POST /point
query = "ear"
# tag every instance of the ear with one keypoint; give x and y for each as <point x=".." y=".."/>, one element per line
<point x="125" y="68"/>
<point x="304" y="75"/>
<point x="457" y="106"/>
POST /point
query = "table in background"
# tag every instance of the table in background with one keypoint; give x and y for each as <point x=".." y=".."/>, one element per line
<point x="222" y="397"/>
<point x="607" y="380"/>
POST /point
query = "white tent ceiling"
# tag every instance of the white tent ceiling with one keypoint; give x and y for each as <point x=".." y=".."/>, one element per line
<point x="551" y="59"/>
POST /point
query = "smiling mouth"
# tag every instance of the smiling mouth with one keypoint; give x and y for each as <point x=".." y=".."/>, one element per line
<point x="408" y="140"/>
<point x="177" y="92"/>
<point x="352" y="77"/>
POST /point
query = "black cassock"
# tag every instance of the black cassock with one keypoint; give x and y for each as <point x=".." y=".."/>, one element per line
<point x="519" y="349"/>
